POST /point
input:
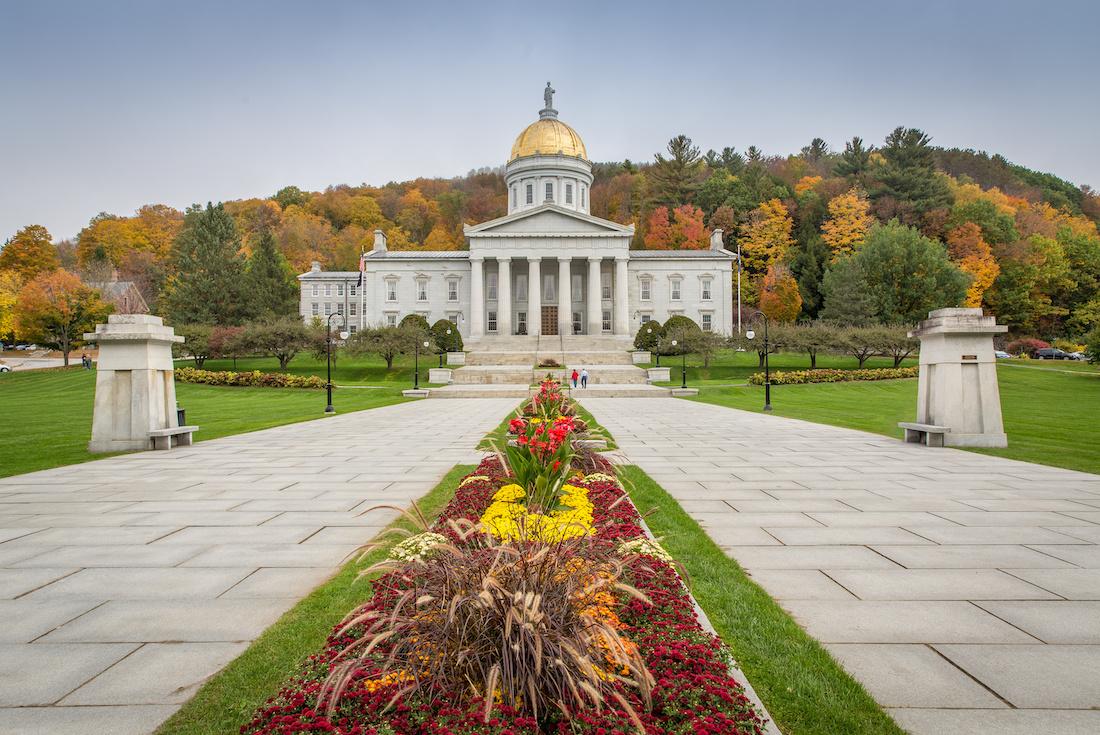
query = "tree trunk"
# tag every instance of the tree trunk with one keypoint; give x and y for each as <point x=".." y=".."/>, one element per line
<point x="813" y="359"/>
<point x="389" y="362"/>
<point x="760" y="355"/>
<point x="898" y="359"/>
<point x="862" y="359"/>
<point x="284" y="360"/>
<point x="65" y="349"/>
<point x="199" y="361"/>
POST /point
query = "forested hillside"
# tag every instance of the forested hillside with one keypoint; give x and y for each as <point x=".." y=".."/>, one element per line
<point x="818" y="230"/>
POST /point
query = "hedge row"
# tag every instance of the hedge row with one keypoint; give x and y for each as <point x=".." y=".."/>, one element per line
<point x="252" y="378"/>
<point x="794" y="377"/>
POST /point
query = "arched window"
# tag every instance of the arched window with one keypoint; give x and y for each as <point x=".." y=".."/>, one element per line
<point x="549" y="191"/>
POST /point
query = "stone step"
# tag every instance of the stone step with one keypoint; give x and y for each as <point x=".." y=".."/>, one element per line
<point x="590" y="357"/>
<point x="612" y="374"/>
<point x="516" y="357"/>
<point x="492" y="374"/>
<point x="612" y="390"/>
<point x="481" y="391"/>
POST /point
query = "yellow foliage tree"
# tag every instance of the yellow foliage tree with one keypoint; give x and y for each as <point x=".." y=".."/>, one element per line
<point x="973" y="255"/>
<point x="29" y="253"/>
<point x="766" y="237"/>
<point x="849" y="220"/>
<point x="807" y="183"/>
<point x="439" y="239"/>
<point x="10" y="284"/>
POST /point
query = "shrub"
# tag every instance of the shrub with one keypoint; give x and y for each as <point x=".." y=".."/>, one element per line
<point x="1092" y="345"/>
<point x="249" y="378"/>
<point x="445" y="342"/>
<point x="415" y="321"/>
<point x="647" y="336"/>
<point x="797" y="377"/>
<point x="281" y="338"/>
<point x="1026" y="346"/>
<point x="196" y="342"/>
<point x="681" y="329"/>
<point x="1068" y="345"/>
<point x="549" y="362"/>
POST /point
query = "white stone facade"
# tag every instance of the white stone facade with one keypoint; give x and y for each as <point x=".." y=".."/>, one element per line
<point x="547" y="267"/>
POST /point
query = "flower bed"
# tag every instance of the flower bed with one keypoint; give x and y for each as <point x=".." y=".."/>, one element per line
<point x="825" y="375"/>
<point x="535" y="604"/>
<point x="249" y="378"/>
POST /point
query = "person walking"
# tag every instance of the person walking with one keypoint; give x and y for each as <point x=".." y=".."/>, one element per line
<point x="84" y="361"/>
<point x="584" y="377"/>
<point x="575" y="376"/>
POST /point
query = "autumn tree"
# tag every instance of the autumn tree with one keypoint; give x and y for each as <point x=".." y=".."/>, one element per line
<point x="780" y="299"/>
<point x="56" y="309"/>
<point x="270" y="285"/>
<point x="849" y="220"/>
<point x="972" y="254"/>
<point x="282" y="338"/>
<point x="683" y="231"/>
<point x="208" y="286"/>
<point x="10" y="285"/>
<point x="29" y="253"/>
<point x="674" y="180"/>
<point x="767" y="236"/>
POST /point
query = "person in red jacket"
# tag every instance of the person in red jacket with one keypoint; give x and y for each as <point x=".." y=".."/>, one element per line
<point x="574" y="376"/>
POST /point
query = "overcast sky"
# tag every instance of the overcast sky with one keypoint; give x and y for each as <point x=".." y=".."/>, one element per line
<point x="108" y="105"/>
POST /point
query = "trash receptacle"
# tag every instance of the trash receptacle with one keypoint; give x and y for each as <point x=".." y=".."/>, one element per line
<point x="181" y="417"/>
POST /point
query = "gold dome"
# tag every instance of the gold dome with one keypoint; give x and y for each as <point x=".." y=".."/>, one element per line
<point x="548" y="136"/>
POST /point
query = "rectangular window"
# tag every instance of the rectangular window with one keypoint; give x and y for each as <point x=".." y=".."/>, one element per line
<point x="646" y="318"/>
<point x="530" y="193"/>
<point x="315" y="289"/>
<point x="453" y="317"/>
<point x="354" y="306"/>
<point x="706" y="289"/>
<point x="452" y="290"/>
<point x="705" y="322"/>
<point x="521" y="288"/>
<point x="492" y="321"/>
<point x="491" y="286"/>
<point x="421" y="290"/>
<point x="549" y="192"/>
<point x="328" y="308"/>
<point x="606" y="320"/>
<point x="391" y="290"/>
<point x="568" y="193"/>
<point x="328" y="289"/>
<point x="352" y="289"/>
<point x="548" y="291"/>
<point x="647" y="289"/>
<point x="605" y="285"/>
<point x="351" y="328"/>
<point x="339" y="289"/>
<point x="316" y="308"/>
<point x="576" y="322"/>
<point x="521" y="322"/>
<point x="513" y="196"/>
<point x="584" y="191"/>
<point x="675" y="289"/>
<point x="340" y="308"/>
<point x="576" y="281"/>
<point x="391" y="319"/>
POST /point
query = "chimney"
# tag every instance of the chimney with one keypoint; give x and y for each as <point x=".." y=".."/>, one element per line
<point x="315" y="267"/>
<point x="379" y="241"/>
<point x="716" y="239"/>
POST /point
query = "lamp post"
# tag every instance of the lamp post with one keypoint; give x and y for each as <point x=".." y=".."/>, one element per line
<point x="416" y="362"/>
<point x="328" y="354"/>
<point x="684" y="362"/>
<point x="767" y="372"/>
<point x="441" y="351"/>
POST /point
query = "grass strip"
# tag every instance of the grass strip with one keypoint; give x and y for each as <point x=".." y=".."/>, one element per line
<point x="805" y="690"/>
<point x="228" y="699"/>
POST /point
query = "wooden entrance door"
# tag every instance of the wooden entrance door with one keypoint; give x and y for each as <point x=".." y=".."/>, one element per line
<point x="550" y="320"/>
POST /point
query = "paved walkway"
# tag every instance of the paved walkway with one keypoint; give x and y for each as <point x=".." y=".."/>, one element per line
<point x="962" y="590"/>
<point x="126" y="582"/>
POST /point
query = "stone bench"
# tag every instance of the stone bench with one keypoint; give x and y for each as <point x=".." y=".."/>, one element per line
<point x="174" y="436"/>
<point x="929" y="434"/>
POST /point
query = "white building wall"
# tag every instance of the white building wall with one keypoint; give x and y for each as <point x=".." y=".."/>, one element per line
<point x="691" y="272"/>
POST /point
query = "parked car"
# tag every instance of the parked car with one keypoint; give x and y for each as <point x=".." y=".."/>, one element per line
<point x="4" y="367"/>
<point x="1051" y="353"/>
<point x="1078" y="356"/>
<point x="1001" y="355"/>
<point x="20" y="347"/>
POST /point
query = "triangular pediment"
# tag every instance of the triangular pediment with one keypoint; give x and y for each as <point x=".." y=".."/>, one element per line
<point x="549" y="219"/>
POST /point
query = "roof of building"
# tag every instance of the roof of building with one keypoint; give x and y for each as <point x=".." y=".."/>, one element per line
<point x="327" y="275"/>
<point x="548" y="136"/>
<point x="418" y="255"/>
<point x="681" y="254"/>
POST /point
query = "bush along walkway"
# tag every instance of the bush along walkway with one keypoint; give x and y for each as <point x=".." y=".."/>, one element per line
<point x="536" y="603"/>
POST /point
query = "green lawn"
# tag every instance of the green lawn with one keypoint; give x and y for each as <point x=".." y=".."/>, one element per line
<point x="1049" y="415"/>
<point x="47" y="414"/>
<point x="228" y="700"/>
<point x="366" y="370"/>
<point x="732" y="367"/>
<point x="804" y="689"/>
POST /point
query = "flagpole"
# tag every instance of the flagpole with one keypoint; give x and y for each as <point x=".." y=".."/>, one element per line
<point x="739" y="286"/>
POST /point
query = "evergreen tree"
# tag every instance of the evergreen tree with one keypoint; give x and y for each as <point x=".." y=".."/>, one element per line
<point x="855" y="160"/>
<point x="271" y="288"/>
<point x="808" y="261"/>
<point x="674" y="180"/>
<point x="908" y="177"/>
<point x="208" y="287"/>
<point x="847" y="301"/>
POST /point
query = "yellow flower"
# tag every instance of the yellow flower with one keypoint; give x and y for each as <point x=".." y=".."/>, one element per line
<point x="509" y="493"/>
<point x="473" y="478"/>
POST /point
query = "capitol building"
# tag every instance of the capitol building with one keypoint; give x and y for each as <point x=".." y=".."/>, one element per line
<point x="546" y="268"/>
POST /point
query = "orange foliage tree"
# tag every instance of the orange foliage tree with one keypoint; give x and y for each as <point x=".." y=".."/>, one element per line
<point x="56" y="308"/>
<point x="780" y="299"/>
<point x="849" y="220"/>
<point x="973" y="255"/>
<point x="683" y="231"/>
<point x="767" y="236"/>
<point x="29" y="253"/>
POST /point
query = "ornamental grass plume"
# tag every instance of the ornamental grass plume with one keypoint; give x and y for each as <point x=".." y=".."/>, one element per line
<point x="532" y="626"/>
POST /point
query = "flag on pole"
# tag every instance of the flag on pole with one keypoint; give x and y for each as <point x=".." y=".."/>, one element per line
<point x="362" y="266"/>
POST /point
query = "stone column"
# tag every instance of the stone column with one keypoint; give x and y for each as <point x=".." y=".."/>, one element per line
<point x="135" y="389"/>
<point x="957" y="386"/>
<point x="504" y="296"/>
<point x="534" y="296"/>
<point x="622" y="304"/>
<point x="565" y="298"/>
<point x="477" y="297"/>
<point x="594" y="297"/>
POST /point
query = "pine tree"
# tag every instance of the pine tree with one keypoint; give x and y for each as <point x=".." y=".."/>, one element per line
<point x="270" y="285"/>
<point x="208" y="287"/>
<point x="848" y="301"/>
<point x="808" y="262"/>
<point x="908" y="176"/>
<point x="855" y="160"/>
<point x="675" y="180"/>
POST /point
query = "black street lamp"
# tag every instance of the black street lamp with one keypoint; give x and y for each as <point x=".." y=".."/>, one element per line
<point x="416" y="362"/>
<point x="649" y="330"/>
<point x="442" y="347"/>
<point x="767" y="372"/>
<point x="328" y="353"/>
<point x="684" y="364"/>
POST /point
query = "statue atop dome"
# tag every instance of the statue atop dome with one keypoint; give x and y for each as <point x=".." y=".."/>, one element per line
<point x="548" y="98"/>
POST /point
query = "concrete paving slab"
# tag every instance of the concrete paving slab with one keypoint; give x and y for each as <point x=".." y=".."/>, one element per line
<point x="799" y="584"/>
<point x="1073" y="584"/>
<point x="847" y="536"/>
<point x="1057" y="621"/>
<point x="26" y="619"/>
<point x="35" y="674"/>
<point x="937" y="584"/>
<point x="142" y="583"/>
<point x="1002" y="722"/>
<point x="970" y="557"/>
<point x="17" y="582"/>
<point x="278" y="583"/>
<point x="1041" y="676"/>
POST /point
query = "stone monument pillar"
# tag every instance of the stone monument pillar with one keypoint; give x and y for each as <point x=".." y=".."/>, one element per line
<point x="135" y="390"/>
<point x="957" y="387"/>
